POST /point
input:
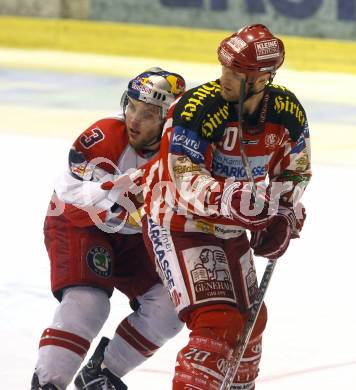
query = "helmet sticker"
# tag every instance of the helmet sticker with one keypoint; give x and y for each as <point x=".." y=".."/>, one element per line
<point x="237" y="44"/>
<point x="225" y="57"/>
<point x="176" y="83"/>
<point x="267" y="49"/>
<point x="266" y="69"/>
<point x="143" y="85"/>
<point x="157" y="87"/>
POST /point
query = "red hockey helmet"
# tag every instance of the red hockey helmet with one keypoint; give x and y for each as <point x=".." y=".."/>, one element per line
<point x="253" y="50"/>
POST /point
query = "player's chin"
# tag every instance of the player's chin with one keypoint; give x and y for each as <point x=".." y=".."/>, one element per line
<point x="229" y="98"/>
<point x="135" y="143"/>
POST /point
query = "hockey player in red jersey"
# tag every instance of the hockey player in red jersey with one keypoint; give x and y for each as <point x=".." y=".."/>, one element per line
<point x="95" y="245"/>
<point x="199" y="200"/>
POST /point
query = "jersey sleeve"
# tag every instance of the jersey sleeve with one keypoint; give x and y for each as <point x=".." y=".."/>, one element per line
<point x="291" y="166"/>
<point x="91" y="161"/>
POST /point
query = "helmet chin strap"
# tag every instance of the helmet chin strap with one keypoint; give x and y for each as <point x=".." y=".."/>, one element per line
<point x="246" y="93"/>
<point x="249" y="92"/>
<point x="244" y="157"/>
<point x="242" y="99"/>
<point x="248" y="86"/>
<point x="154" y="140"/>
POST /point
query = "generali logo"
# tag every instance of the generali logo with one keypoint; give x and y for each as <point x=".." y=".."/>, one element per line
<point x="267" y="49"/>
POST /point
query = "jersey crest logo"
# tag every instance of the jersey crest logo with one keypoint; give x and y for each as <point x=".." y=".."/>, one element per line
<point x="271" y="140"/>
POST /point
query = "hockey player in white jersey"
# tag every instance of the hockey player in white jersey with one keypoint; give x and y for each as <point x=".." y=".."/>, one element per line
<point x="95" y="246"/>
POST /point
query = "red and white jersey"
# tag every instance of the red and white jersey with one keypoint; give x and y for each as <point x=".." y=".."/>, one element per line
<point x="200" y="156"/>
<point x="101" y="153"/>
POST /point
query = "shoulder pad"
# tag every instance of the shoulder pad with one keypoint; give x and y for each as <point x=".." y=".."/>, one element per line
<point x="78" y="165"/>
<point x="202" y="109"/>
<point x="285" y="109"/>
<point x="104" y="131"/>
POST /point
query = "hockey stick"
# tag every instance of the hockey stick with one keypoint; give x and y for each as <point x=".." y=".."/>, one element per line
<point x="235" y="359"/>
<point x="242" y="146"/>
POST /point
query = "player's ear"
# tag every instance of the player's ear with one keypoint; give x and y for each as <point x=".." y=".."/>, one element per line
<point x="262" y="81"/>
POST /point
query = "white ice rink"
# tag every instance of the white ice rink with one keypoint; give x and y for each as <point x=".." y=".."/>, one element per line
<point x="310" y="341"/>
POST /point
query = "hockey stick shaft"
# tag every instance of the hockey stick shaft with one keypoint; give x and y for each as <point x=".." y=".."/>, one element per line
<point x="235" y="359"/>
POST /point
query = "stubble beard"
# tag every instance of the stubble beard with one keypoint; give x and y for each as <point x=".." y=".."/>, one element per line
<point x="136" y="144"/>
<point x="229" y="98"/>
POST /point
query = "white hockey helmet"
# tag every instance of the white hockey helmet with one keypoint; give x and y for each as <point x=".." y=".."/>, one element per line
<point x="155" y="86"/>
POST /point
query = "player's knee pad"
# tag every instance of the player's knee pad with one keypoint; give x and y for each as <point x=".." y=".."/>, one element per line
<point x="219" y="322"/>
<point x="143" y="332"/>
<point x="156" y="317"/>
<point x="223" y="322"/>
<point x="83" y="311"/>
<point x="261" y="322"/>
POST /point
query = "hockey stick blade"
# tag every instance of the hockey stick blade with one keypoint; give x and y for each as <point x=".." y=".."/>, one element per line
<point x="235" y="359"/>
